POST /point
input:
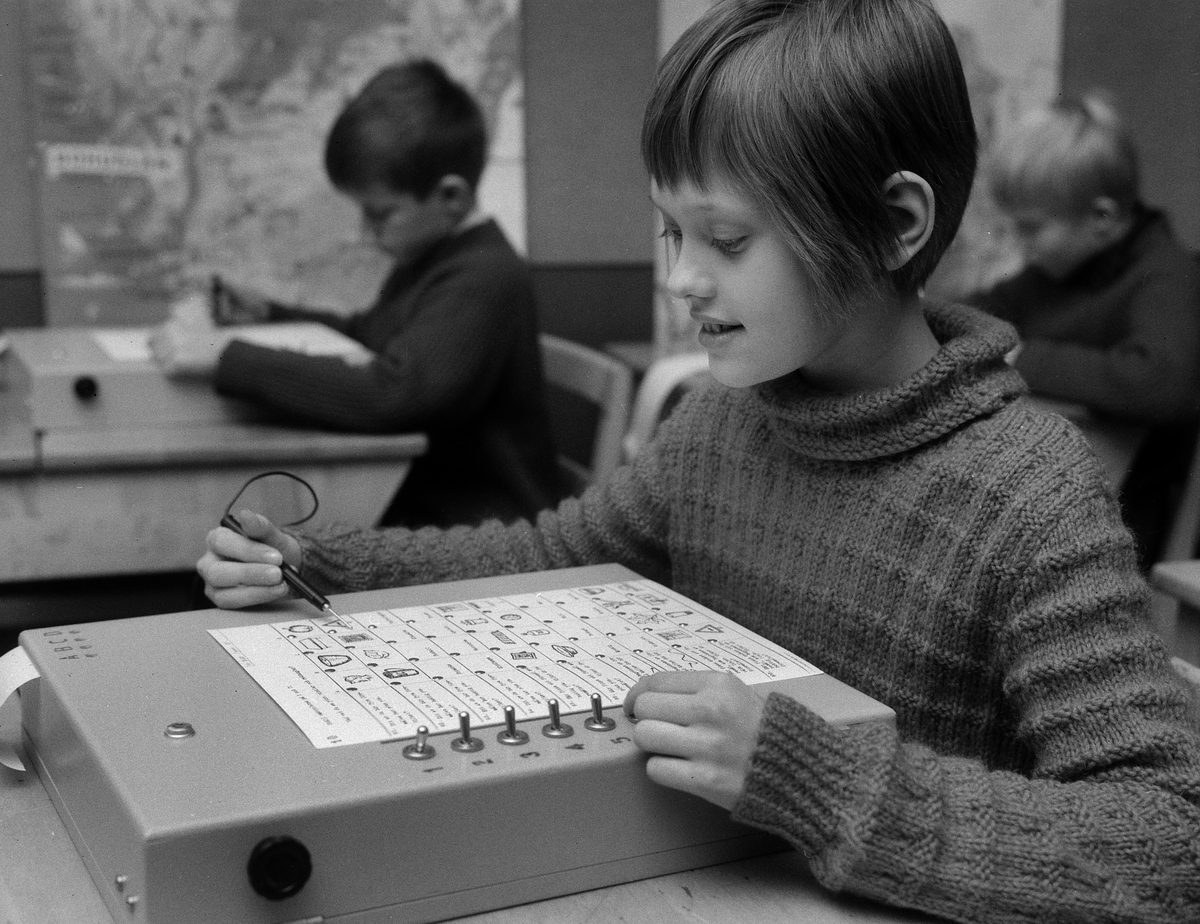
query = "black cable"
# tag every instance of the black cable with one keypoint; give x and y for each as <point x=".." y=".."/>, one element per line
<point x="198" y="597"/>
<point x="308" y="487"/>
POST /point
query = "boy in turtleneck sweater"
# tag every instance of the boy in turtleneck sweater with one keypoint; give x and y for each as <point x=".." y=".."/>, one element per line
<point x="866" y="487"/>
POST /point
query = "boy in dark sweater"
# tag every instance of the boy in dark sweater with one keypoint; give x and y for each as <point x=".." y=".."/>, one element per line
<point x="453" y="334"/>
<point x="867" y="487"/>
<point x="1107" y="304"/>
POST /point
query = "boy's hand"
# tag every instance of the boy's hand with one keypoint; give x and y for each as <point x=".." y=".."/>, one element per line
<point x="244" y="570"/>
<point x="238" y="306"/>
<point x="184" y="349"/>
<point x="702" y="727"/>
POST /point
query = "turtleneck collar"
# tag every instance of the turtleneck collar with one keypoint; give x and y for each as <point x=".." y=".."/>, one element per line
<point x="967" y="378"/>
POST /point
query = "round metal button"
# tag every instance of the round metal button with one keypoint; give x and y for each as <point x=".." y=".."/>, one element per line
<point x="179" y="730"/>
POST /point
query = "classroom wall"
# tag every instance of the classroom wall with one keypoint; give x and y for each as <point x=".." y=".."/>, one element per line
<point x="1148" y="56"/>
<point x="20" y="280"/>
<point x="588" y="65"/>
<point x="18" y="242"/>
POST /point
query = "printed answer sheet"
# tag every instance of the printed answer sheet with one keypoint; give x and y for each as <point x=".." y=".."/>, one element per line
<point x="380" y="675"/>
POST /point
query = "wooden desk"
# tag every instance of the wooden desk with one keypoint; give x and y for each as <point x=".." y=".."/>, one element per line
<point x="97" y="502"/>
<point x="107" y="467"/>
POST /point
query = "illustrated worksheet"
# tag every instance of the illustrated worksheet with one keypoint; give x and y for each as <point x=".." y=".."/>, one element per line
<point x="383" y="674"/>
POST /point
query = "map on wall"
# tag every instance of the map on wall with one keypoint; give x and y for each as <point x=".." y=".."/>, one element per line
<point x="181" y="138"/>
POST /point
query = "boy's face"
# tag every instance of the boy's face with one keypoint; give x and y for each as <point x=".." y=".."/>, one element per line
<point x="401" y="225"/>
<point x="1054" y="243"/>
<point x="759" y="319"/>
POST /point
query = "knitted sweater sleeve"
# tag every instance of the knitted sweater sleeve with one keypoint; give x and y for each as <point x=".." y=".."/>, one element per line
<point x="1105" y="828"/>
<point x="621" y="521"/>
<point x="438" y="367"/>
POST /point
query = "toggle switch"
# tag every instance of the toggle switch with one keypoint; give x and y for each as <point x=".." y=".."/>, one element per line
<point x="511" y="734"/>
<point x="420" y="749"/>
<point x="556" y="728"/>
<point x="465" y="742"/>
<point x="598" y="721"/>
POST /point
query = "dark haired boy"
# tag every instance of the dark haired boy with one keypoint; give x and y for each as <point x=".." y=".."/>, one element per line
<point x="453" y="333"/>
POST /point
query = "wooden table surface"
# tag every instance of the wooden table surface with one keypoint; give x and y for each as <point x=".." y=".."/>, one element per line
<point x="82" y="503"/>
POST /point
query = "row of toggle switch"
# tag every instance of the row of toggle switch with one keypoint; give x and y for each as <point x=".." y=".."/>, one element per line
<point x="421" y="749"/>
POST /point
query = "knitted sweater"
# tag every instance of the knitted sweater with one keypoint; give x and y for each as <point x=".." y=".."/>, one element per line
<point x="455" y="338"/>
<point x="948" y="550"/>
<point x="1121" y="334"/>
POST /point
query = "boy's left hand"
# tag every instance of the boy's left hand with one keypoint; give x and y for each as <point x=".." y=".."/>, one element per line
<point x="701" y="727"/>
<point x="184" y="349"/>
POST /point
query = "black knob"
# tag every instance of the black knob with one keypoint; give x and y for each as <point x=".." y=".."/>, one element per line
<point x="279" y="867"/>
<point x="86" y="388"/>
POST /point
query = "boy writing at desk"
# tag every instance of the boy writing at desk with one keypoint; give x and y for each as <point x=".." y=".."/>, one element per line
<point x="453" y="333"/>
<point x="1107" y="303"/>
<point x="867" y="487"/>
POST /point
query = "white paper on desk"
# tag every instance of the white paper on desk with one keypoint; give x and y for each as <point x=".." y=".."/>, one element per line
<point x="16" y="670"/>
<point x="125" y="344"/>
<point x="132" y="344"/>
<point x="382" y="675"/>
<point x="309" y="337"/>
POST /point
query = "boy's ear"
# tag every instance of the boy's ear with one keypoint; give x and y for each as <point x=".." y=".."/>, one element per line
<point x="455" y="195"/>
<point x="1106" y="207"/>
<point x="1107" y="219"/>
<point x="911" y="204"/>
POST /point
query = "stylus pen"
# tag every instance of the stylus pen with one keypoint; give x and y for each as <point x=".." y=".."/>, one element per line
<point x="290" y="575"/>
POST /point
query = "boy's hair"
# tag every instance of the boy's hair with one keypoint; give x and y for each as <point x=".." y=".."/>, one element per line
<point x="1063" y="156"/>
<point x="807" y="107"/>
<point x="407" y="128"/>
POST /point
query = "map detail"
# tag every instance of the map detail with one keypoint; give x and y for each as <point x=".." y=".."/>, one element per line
<point x="382" y="675"/>
<point x="181" y="138"/>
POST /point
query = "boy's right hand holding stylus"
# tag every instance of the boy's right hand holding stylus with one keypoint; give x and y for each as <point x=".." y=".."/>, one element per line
<point x="243" y="570"/>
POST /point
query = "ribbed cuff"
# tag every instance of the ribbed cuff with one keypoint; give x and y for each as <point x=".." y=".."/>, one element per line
<point x="812" y="783"/>
<point x="348" y="568"/>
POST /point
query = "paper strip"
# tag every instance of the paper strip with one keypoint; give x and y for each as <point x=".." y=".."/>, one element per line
<point x="16" y="670"/>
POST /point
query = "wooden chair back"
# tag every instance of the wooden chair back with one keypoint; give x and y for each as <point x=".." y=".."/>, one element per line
<point x="589" y="400"/>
